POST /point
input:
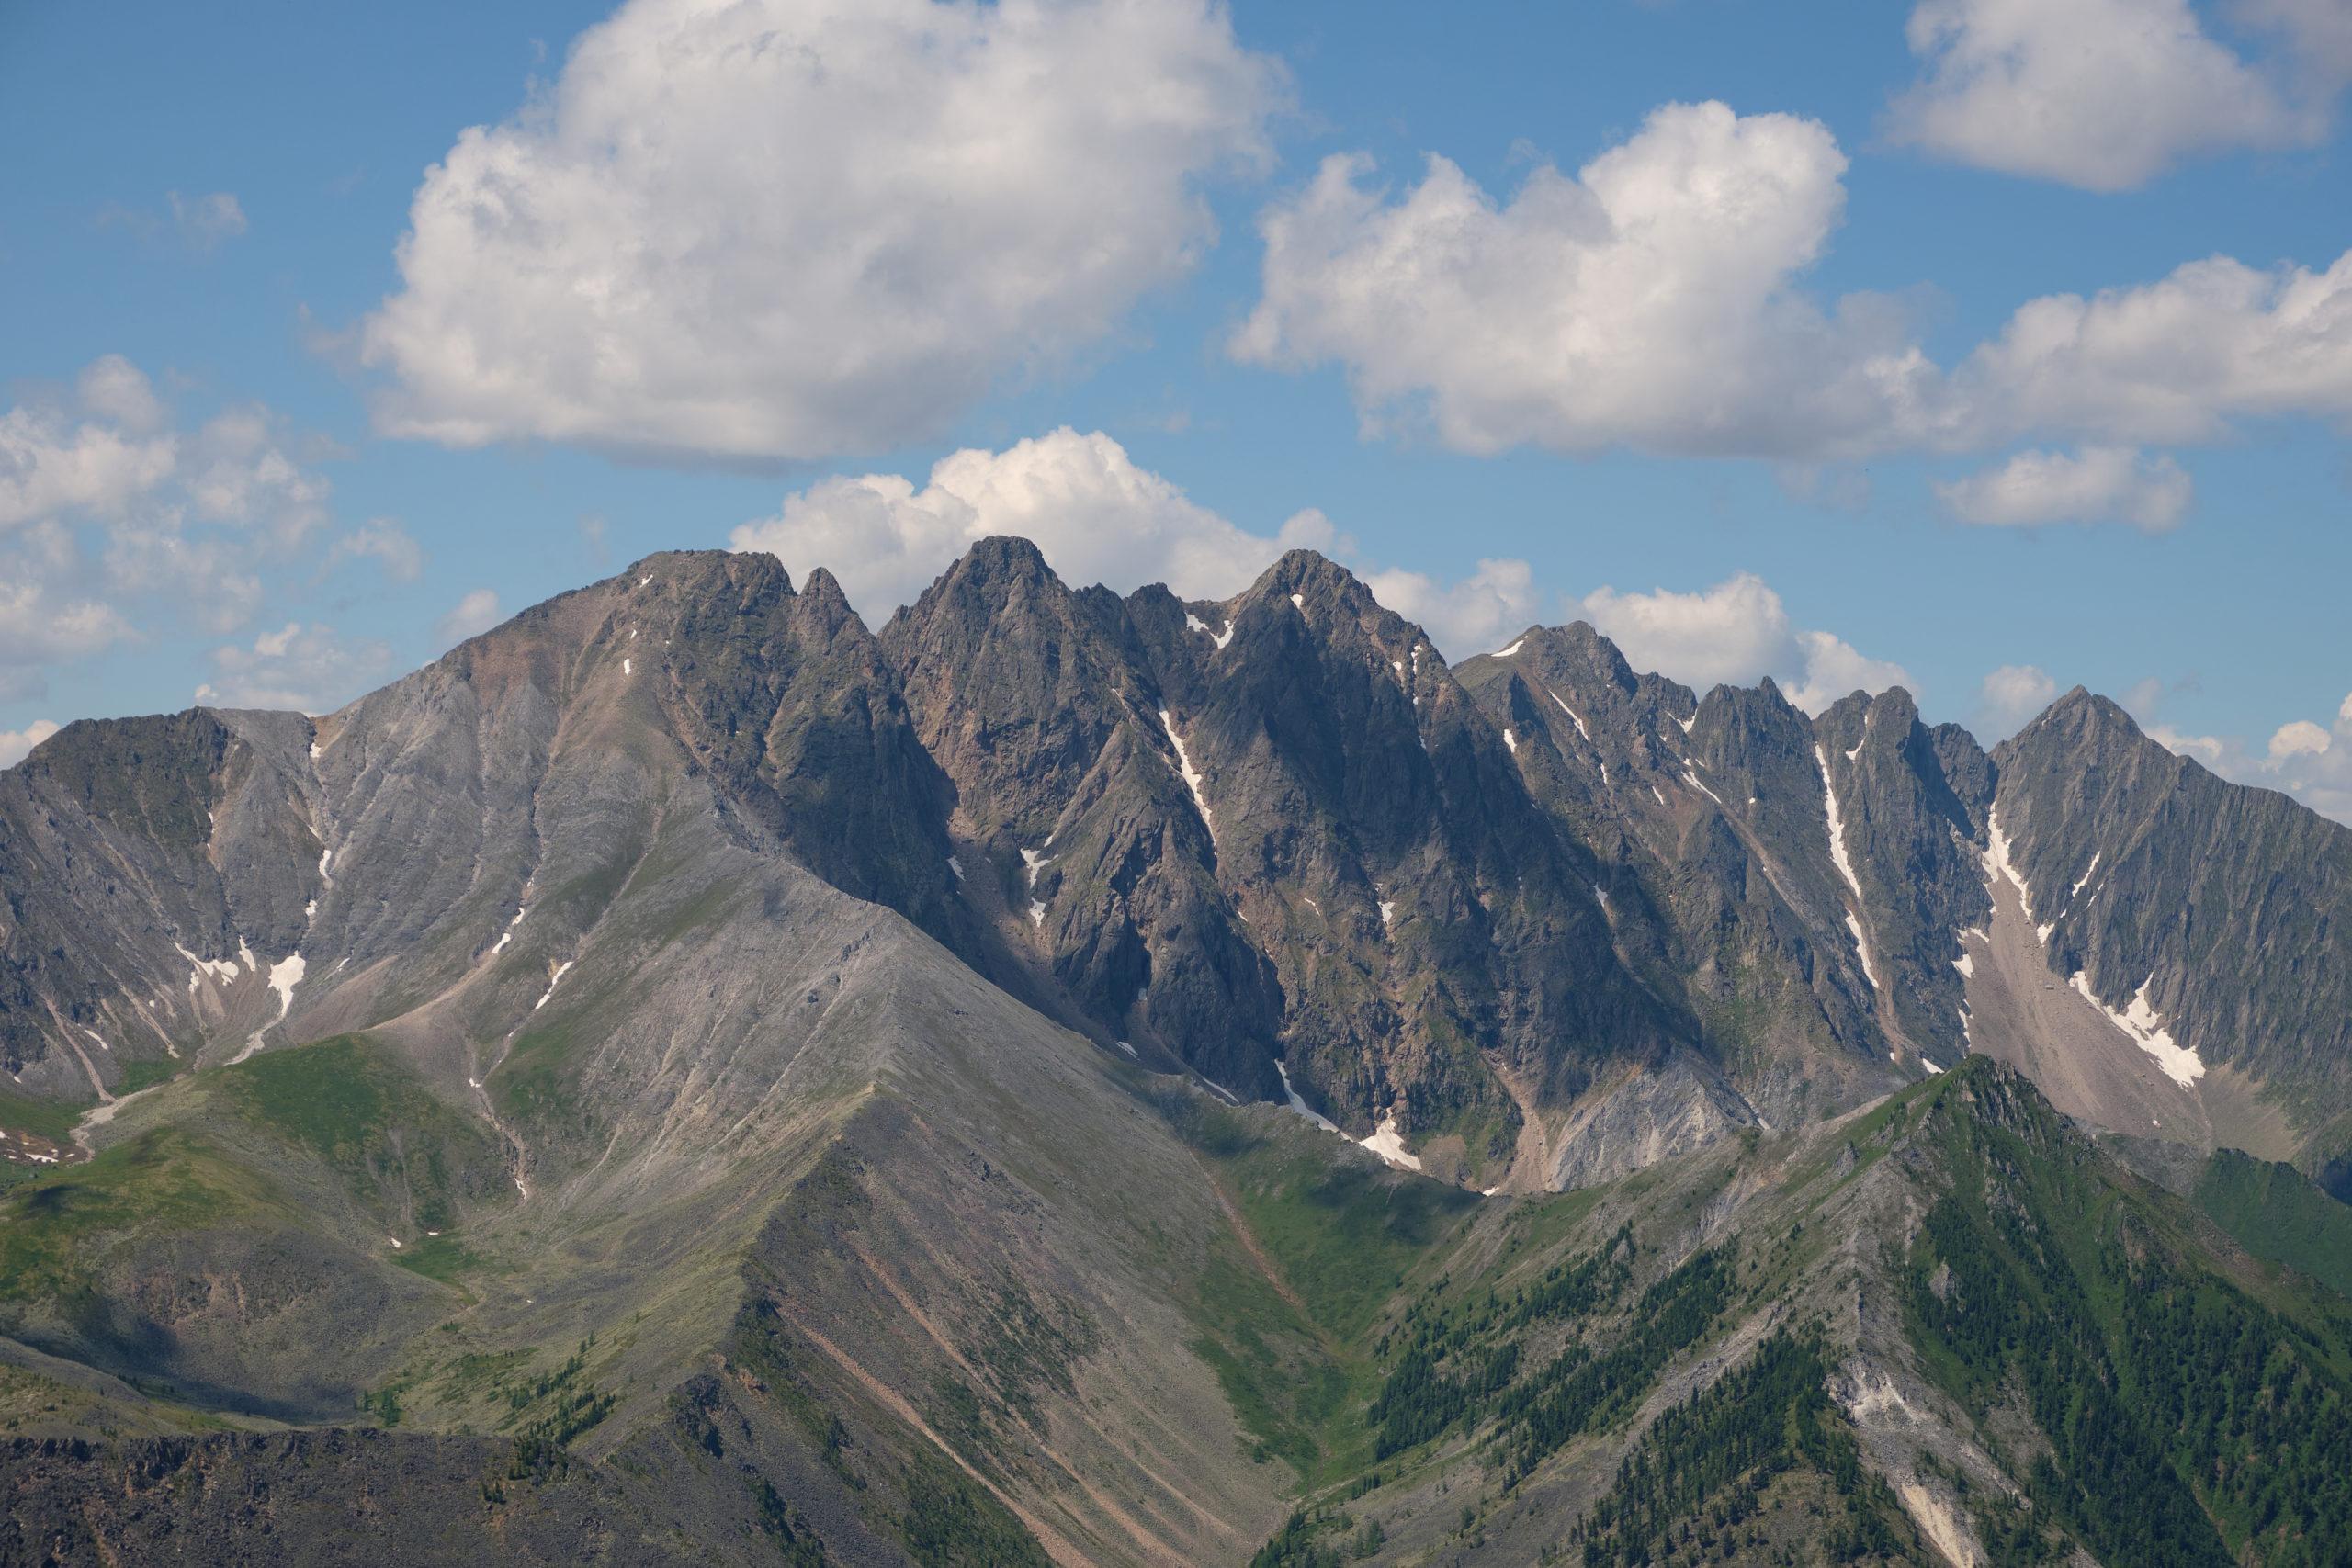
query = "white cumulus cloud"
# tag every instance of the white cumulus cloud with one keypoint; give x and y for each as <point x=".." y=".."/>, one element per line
<point x="116" y="519"/>
<point x="2298" y="738"/>
<point x="308" y="668"/>
<point x="2101" y="93"/>
<point x="2095" y="484"/>
<point x="54" y="460"/>
<point x="469" y="617"/>
<point x="1646" y="301"/>
<point x="797" y="228"/>
<point x="1472" y="614"/>
<point x="1655" y="301"/>
<point x="15" y="744"/>
<point x="2012" y="695"/>
<point x="1081" y="499"/>
<point x="384" y="541"/>
<point x="1734" y="634"/>
<point x="1098" y="517"/>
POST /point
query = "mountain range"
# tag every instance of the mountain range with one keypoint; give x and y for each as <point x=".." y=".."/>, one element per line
<point x="1077" y="1078"/>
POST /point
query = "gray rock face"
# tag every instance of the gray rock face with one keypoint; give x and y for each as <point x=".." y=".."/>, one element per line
<point x="2224" y="911"/>
<point x="1276" y="830"/>
<point x="1913" y="805"/>
<point x="675" y="948"/>
<point x="1043" y="707"/>
<point x="1352" y="879"/>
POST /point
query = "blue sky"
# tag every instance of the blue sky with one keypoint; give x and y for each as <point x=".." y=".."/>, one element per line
<point x="1750" y="385"/>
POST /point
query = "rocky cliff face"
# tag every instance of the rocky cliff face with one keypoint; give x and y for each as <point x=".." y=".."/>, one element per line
<point x="1271" y="836"/>
<point x="2211" y="921"/>
<point x="791" y="1088"/>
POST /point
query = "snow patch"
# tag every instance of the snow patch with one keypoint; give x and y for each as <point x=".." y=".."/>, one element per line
<point x="218" y="968"/>
<point x="1387" y="912"/>
<point x="284" y="975"/>
<point x="1510" y="740"/>
<point x="1661" y="799"/>
<point x="1998" y="865"/>
<point x="2147" y="1031"/>
<point x="1036" y="914"/>
<point x="554" y="977"/>
<point x="956" y="866"/>
<point x="508" y="935"/>
<point x="1035" y="863"/>
<point x="1298" y="601"/>
<point x="1844" y="863"/>
<point x="1687" y="723"/>
<point x="1695" y="784"/>
<point x="1571" y="713"/>
<point x="2087" y="869"/>
<point x="627" y="667"/>
<point x="1929" y="1065"/>
<point x="1514" y="647"/>
<point x="1193" y="780"/>
<point x="1301" y="1106"/>
<point x="1193" y="622"/>
<point x="1225" y="636"/>
<point x="1389" y="1144"/>
<point x="1966" y="965"/>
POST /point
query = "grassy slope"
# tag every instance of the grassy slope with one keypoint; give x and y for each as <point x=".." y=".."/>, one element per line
<point x="2275" y="1212"/>
<point x="2191" y="1413"/>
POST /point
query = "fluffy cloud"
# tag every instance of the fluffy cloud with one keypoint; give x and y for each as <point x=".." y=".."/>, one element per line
<point x="309" y="669"/>
<point x="1469" y="616"/>
<point x="2176" y="360"/>
<point x="1647" y="301"/>
<point x="16" y="744"/>
<point x="113" y="516"/>
<point x="1098" y="517"/>
<point x="52" y="460"/>
<point x="384" y="540"/>
<point x="204" y="221"/>
<point x="1653" y="301"/>
<point x="1736" y="633"/>
<point x="2094" y="485"/>
<point x="2012" y="695"/>
<point x="469" y="617"/>
<point x="2300" y="738"/>
<point x="239" y="470"/>
<point x="797" y="227"/>
<point x="1730" y="634"/>
<point x="2102" y="93"/>
<point x="1833" y="667"/>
